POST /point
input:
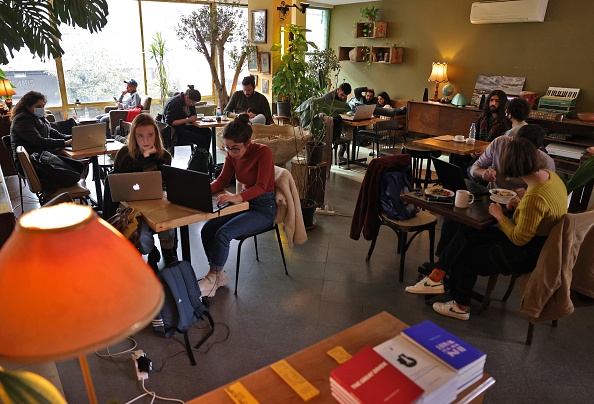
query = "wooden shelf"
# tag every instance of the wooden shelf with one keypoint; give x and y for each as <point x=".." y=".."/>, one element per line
<point x="353" y="53"/>
<point x="376" y="29"/>
<point x="378" y="54"/>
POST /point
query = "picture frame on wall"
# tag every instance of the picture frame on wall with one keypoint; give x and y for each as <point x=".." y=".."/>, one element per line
<point x="255" y="76"/>
<point x="253" y="58"/>
<point x="258" y="26"/>
<point x="264" y="62"/>
<point x="265" y="86"/>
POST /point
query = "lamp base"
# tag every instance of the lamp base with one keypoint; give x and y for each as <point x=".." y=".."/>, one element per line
<point x="8" y="102"/>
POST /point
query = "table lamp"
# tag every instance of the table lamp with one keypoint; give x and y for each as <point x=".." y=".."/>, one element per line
<point x="6" y="90"/>
<point x="439" y="74"/>
<point x="71" y="284"/>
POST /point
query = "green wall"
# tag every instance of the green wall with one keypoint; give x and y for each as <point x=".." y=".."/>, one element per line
<point x="557" y="52"/>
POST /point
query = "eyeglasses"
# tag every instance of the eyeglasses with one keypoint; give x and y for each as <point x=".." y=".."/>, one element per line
<point x="234" y="149"/>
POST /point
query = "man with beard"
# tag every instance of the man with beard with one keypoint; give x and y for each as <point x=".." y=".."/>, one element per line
<point x="249" y="101"/>
<point x="490" y="125"/>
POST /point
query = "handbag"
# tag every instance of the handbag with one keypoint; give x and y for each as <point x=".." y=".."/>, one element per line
<point x="132" y="113"/>
<point x="127" y="222"/>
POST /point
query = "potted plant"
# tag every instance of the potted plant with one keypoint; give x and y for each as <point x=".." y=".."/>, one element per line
<point x="370" y="13"/>
<point x="291" y="83"/>
<point x="157" y="51"/>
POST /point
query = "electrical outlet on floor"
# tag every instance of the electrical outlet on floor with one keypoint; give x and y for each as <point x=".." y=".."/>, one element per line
<point x="140" y="357"/>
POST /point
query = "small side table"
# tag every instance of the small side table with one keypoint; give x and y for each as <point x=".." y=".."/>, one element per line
<point x="281" y="120"/>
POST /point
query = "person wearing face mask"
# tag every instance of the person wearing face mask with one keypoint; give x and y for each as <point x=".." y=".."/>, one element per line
<point x="30" y="129"/>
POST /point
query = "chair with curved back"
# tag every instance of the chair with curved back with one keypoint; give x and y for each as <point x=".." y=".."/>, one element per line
<point x="8" y="146"/>
<point x="383" y="131"/>
<point x="77" y="191"/>
<point x="421" y="164"/>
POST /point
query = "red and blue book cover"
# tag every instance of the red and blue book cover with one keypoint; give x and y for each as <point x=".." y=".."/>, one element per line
<point x="370" y="378"/>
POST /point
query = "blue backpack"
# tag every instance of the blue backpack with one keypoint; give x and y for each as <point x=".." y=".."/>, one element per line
<point x="183" y="305"/>
<point x="394" y="184"/>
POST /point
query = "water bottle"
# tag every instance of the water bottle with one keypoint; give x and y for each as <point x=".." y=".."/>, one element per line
<point x="472" y="133"/>
<point x="86" y="112"/>
<point x="218" y="111"/>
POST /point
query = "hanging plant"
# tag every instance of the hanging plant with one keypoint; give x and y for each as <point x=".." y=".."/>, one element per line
<point x="370" y="13"/>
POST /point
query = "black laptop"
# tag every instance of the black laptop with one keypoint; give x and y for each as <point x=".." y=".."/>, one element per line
<point x="452" y="177"/>
<point x="190" y="189"/>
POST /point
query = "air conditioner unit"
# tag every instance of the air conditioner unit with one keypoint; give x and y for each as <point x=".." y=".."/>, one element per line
<point x="496" y="12"/>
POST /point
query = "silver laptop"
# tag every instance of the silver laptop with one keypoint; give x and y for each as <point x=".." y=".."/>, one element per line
<point x="362" y="113"/>
<point x="88" y="136"/>
<point x="136" y="186"/>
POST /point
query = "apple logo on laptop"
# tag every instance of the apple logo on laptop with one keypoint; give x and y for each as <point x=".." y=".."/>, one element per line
<point x="136" y="187"/>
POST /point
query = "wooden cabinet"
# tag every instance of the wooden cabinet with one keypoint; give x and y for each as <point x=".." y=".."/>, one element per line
<point x="435" y="119"/>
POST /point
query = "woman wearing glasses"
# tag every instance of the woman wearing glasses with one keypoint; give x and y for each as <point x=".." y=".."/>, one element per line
<point x="253" y="166"/>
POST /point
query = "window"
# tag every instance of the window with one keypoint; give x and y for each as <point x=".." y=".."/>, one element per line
<point x="318" y="21"/>
<point x="29" y="74"/>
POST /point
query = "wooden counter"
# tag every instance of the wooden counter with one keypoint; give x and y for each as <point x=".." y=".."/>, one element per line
<point x="435" y="119"/>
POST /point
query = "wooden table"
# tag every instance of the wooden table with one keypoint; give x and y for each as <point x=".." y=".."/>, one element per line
<point x="356" y="125"/>
<point x="449" y="146"/>
<point x="476" y="215"/>
<point x="160" y="215"/>
<point x="93" y="153"/>
<point x="213" y="135"/>
<point x="315" y="366"/>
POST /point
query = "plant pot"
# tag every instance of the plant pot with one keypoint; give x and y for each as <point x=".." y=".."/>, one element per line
<point x="308" y="210"/>
<point x="314" y="153"/>
<point x="283" y="108"/>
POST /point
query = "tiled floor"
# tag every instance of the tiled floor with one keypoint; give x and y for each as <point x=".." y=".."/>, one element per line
<point x="329" y="288"/>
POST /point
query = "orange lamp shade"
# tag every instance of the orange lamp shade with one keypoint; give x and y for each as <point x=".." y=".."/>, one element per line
<point x="439" y="72"/>
<point x="6" y="88"/>
<point x="70" y="284"/>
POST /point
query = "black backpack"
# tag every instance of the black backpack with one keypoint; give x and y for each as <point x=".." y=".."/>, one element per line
<point x="200" y="161"/>
<point x="394" y="184"/>
<point x="54" y="171"/>
<point x="183" y="305"/>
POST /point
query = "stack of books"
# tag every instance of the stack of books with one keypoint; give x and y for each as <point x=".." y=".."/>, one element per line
<point x="467" y="361"/>
<point x="425" y="364"/>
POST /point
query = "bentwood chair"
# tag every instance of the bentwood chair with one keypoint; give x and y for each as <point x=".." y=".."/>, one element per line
<point x="12" y="169"/>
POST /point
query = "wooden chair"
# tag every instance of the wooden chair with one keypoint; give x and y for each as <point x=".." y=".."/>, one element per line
<point x="382" y="131"/>
<point x="77" y="191"/>
<point x="421" y="165"/>
<point x="7" y="172"/>
<point x="491" y="285"/>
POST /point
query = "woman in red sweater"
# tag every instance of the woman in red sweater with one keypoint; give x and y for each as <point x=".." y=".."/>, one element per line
<point x="253" y="166"/>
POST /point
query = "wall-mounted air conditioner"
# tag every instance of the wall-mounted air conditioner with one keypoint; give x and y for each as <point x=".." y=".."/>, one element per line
<point x="496" y="12"/>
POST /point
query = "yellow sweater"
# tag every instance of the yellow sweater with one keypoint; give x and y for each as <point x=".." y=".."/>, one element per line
<point x="539" y="211"/>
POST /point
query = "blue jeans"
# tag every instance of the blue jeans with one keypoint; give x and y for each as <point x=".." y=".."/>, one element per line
<point x="217" y="233"/>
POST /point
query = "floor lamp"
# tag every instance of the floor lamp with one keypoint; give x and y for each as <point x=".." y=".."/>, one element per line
<point x="71" y="284"/>
<point x="439" y="74"/>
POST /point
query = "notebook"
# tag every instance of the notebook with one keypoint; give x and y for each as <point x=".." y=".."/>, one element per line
<point x="87" y="136"/>
<point x="453" y="178"/>
<point x="363" y="112"/>
<point x="190" y="189"/>
<point x="135" y="186"/>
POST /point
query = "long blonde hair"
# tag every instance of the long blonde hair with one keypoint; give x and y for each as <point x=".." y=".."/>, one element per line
<point x="143" y="120"/>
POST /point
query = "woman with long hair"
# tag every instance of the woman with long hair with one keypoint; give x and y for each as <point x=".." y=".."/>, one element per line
<point x="144" y="152"/>
<point x="253" y="166"/>
<point x="30" y="129"/>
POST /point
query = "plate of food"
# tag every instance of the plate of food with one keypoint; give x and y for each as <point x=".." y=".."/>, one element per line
<point x="501" y="195"/>
<point x="438" y="192"/>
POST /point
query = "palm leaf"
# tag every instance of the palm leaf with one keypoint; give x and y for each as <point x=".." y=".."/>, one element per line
<point x="583" y="175"/>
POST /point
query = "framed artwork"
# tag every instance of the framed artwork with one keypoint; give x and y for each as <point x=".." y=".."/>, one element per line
<point x="264" y="62"/>
<point x="255" y="76"/>
<point x="265" y="84"/>
<point x="253" y="58"/>
<point x="258" y="26"/>
<point x="486" y="83"/>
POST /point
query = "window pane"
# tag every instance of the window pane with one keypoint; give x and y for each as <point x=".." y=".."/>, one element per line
<point x="96" y="65"/>
<point x="317" y="21"/>
<point x="31" y="74"/>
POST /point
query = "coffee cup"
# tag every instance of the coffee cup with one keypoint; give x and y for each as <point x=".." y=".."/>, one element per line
<point x="463" y="199"/>
<point x="458" y="138"/>
<point x="218" y="119"/>
<point x="469" y="141"/>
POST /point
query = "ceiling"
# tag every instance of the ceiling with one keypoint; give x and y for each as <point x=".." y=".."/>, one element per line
<point x="331" y="3"/>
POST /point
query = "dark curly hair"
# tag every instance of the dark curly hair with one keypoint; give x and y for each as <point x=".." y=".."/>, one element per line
<point x="239" y="130"/>
<point x="518" y="108"/>
<point x="27" y="101"/>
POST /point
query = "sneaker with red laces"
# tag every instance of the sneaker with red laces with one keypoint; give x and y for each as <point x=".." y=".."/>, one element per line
<point x="451" y="309"/>
<point x="211" y="282"/>
<point x="426" y="287"/>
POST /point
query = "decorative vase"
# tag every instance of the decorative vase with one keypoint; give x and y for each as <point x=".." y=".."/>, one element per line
<point x="353" y="55"/>
<point x="308" y="210"/>
<point x="314" y="153"/>
<point x="283" y="108"/>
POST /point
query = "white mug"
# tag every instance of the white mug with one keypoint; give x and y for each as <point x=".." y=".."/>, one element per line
<point x="469" y="141"/>
<point x="459" y="138"/>
<point x="463" y="199"/>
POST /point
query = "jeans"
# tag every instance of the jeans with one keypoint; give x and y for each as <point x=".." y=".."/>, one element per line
<point x="472" y="252"/>
<point x="217" y="233"/>
<point x="146" y="242"/>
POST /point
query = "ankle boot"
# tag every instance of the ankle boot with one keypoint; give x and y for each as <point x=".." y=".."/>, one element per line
<point x="153" y="259"/>
<point x="170" y="255"/>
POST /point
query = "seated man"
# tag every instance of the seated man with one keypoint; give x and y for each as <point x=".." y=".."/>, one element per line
<point x="127" y="100"/>
<point x="360" y="99"/>
<point x="340" y="94"/>
<point x="250" y="101"/>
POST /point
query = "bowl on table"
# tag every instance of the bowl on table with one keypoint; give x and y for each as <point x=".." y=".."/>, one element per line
<point x="501" y="195"/>
<point x="586" y="116"/>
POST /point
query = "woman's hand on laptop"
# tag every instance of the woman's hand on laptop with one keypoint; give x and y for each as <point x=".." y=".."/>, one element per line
<point x="228" y="198"/>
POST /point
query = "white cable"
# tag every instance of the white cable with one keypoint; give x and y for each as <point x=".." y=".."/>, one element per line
<point x="118" y="354"/>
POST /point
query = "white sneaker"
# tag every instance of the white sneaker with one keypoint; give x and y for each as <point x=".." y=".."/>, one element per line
<point x="451" y="309"/>
<point x="211" y="282"/>
<point x="426" y="287"/>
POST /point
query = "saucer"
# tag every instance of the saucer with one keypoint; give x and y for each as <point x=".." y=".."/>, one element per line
<point x="460" y="141"/>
